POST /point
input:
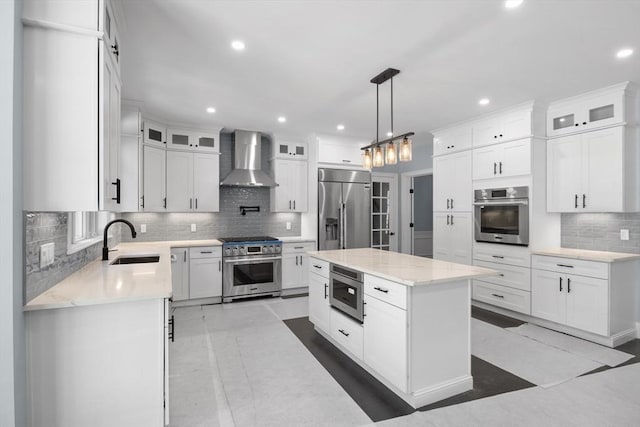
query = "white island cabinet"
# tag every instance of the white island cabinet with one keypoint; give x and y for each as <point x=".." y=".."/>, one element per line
<point x="415" y="333"/>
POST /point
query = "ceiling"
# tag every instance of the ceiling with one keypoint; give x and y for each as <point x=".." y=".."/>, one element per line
<point x="311" y="61"/>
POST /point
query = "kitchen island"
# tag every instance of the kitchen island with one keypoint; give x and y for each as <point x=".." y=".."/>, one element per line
<point x="414" y="331"/>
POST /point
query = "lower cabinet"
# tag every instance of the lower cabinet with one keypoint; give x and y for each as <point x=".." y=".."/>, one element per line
<point x="347" y="332"/>
<point x="99" y="365"/>
<point x="196" y="272"/>
<point x="452" y="234"/>
<point x="511" y="289"/>
<point x="319" y="309"/>
<point x="294" y="264"/>
<point x="385" y="340"/>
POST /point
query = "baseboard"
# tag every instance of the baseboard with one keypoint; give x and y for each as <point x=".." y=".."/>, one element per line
<point x="442" y="391"/>
<point x="197" y="301"/>
<point x="301" y="291"/>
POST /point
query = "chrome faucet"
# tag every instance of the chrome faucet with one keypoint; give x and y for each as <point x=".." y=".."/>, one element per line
<point x="105" y="248"/>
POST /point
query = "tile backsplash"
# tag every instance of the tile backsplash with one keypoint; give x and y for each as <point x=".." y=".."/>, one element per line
<point x="47" y="227"/>
<point x="601" y="231"/>
<point x="227" y="222"/>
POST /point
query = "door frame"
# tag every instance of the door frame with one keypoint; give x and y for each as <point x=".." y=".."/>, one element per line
<point x="406" y="207"/>
<point x="393" y="208"/>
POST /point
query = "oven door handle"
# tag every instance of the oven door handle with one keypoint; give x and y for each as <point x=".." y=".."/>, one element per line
<point x="504" y="203"/>
<point x="236" y="261"/>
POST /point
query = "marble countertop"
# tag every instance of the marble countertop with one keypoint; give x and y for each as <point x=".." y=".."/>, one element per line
<point x="586" y="255"/>
<point x="101" y="283"/>
<point x="402" y="268"/>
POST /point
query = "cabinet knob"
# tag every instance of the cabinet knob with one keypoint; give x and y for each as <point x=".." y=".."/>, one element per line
<point x="500" y="135"/>
<point x="495" y="136"/>
<point x="584" y="123"/>
<point x="577" y="124"/>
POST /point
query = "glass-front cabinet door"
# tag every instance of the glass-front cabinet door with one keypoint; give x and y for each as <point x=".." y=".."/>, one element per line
<point x="206" y="142"/>
<point x="154" y="133"/>
<point x="289" y="150"/>
<point x="180" y="139"/>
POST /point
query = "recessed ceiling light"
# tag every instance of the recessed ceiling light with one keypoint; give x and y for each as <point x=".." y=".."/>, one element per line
<point x="237" y="44"/>
<point x="512" y="4"/>
<point x="282" y="119"/>
<point x="340" y="127"/>
<point x="624" y="53"/>
<point x="389" y="134"/>
<point x="484" y="101"/>
<point x="211" y="110"/>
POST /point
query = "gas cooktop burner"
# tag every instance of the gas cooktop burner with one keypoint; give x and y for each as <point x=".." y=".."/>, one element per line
<point x="247" y="239"/>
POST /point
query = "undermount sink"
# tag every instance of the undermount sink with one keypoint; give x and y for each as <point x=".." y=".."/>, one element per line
<point x="136" y="259"/>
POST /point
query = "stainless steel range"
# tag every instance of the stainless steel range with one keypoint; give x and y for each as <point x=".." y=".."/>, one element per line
<point x="252" y="267"/>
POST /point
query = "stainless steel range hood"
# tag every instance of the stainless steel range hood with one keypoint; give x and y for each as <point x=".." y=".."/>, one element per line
<point x="248" y="157"/>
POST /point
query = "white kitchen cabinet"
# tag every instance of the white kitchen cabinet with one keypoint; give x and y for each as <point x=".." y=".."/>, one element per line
<point x="452" y="140"/>
<point x="291" y="193"/>
<point x="595" y="171"/>
<point x="346" y="332"/>
<point x="70" y="157"/>
<point x="111" y="36"/>
<point x="207" y="142"/>
<point x="505" y="127"/>
<point x="452" y="183"/>
<point x="154" y="133"/>
<point x="290" y="150"/>
<point x="340" y="152"/>
<point x="294" y="264"/>
<point x="179" y="139"/>
<point x="502" y="160"/>
<point x="154" y="196"/>
<point x="596" y="297"/>
<point x="192" y="182"/>
<point x="130" y="157"/>
<point x="615" y="105"/>
<point x="319" y="309"/>
<point x="385" y="340"/>
<point x="205" y="272"/>
<point x="98" y="365"/>
<point x="452" y="237"/>
<point x="180" y="273"/>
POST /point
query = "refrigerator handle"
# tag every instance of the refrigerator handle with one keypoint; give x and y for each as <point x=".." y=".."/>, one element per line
<point x="344" y="226"/>
<point x="340" y="227"/>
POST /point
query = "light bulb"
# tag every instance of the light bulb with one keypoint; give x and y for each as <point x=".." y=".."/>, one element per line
<point x="405" y="150"/>
<point x="366" y="159"/>
<point x="378" y="157"/>
<point x="391" y="157"/>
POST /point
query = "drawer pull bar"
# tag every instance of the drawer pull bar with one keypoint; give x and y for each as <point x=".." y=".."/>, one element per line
<point x="206" y="252"/>
<point x="501" y="274"/>
<point x="317" y="266"/>
<point x="386" y="291"/>
<point x="498" y="296"/>
<point x="565" y="265"/>
<point x="298" y="247"/>
<point x="346" y="334"/>
<point x="498" y="256"/>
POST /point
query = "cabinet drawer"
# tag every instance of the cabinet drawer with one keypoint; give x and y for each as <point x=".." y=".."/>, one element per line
<point x="572" y="266"/>
<point x="289" y="248"/>
<point x="319" y="267"/>
<point x="510" y="275"/>
<point x="502" y="296"/>
<point x="347" y="332"/>
<point x="503" y="254"/>
<point x="384" y="290"/>
<point x="205" y="252"/>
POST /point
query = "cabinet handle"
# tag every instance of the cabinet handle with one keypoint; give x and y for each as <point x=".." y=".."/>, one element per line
<point x="326" y="286"/>
<point x="448" y="219"/>
<point x="500" y="166"/>
<point x="298" y="247"/>
<point x="185" y="255"/>
<point x="165" y="202"/>
<point x="495" y="166"/>
<point x="451" y="203"/>
<point x="219" y="265"/>
<point x="576" y="200"/>
<point x="498" y="256"/>
<point x="317" y="266"/>
<point x="190" y="203"/>
<point x="498" y="296"/>
<point x="495" y="136"/>
<point x="501" y="274"/>
<point x="451" y="219"/>
<point x="142" y="204"/>
<point x="386" y="291"/>
<point x="296" y="259"/>
<point x="346" y="334"/>
<point x="560" y="284"/>
<point x="448" y="204"/>
<point x="117" y="184"/>
<point x="584" y="200"/>
<point x="196" y="203"/>
<point x="289" y="204"/>
<point x="584" y="123"/>
<point x="115" y="50"/>
<point x="301" y="260"/>
<point x="172" y="328"/>
<point x="565" y="265"/>
<point x="346" y="161"/>
<point x="500" y="135"/>
<point x="568" y="285"/>
<point x="206" y="252"/>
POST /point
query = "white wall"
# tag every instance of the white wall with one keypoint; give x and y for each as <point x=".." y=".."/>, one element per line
<point x="12" y="353"/>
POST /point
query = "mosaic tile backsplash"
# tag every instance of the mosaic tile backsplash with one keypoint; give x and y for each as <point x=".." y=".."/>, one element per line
<point x="46" y="227"/>
<point x="601" y="231"/>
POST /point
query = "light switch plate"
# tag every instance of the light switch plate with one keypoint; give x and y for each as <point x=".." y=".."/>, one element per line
<point x="288" y="225"/>
<point x="193" y="228"/>
<point x="624" y="234"/>
<point x="143" y="228"/>
<point x="47" y="254"/>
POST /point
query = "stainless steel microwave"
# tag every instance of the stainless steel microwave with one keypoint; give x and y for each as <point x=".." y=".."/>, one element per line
<point x="502" y="215"/>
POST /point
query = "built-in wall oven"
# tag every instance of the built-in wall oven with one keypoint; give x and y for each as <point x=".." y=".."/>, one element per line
<point x="502" y="215"/>
<point x="346" y="291"/>
<point x="252" y="267"/>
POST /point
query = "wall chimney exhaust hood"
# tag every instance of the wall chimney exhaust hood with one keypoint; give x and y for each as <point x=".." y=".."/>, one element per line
<point x="248" y="158"/>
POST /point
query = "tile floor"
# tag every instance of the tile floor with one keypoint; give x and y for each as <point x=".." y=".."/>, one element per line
<point x="240" y="364"/>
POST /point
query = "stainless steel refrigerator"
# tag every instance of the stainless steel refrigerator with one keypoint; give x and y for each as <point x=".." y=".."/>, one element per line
<point x="344" y="209"/>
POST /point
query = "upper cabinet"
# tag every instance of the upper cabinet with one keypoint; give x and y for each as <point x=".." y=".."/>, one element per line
<point x="290" y="150"/>
<point x="154" y="133"/>
<point x="291" y="193"/>
<point x="504" y="127"/>
<point x="611" y="106"/>
<point x="111" y="36"/>
<point x="452" y="140"/>
<point x="340" y="151"/>
<point x="502" y="160"/>
<point x="190" y="140"/>
<point x="72" y="92"/>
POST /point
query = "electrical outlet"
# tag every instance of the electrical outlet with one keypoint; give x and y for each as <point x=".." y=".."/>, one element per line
<point x="193" y="228"/>
<point x="47" y="254"/>
<point x="288" y="225"/>
<point x="624" y="234"/>
<point x="143" y="228"/>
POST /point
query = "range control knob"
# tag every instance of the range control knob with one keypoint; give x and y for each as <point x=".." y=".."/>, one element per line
<point x="271" y="249"/>
<point x="264" y="249"/>
<point x="227" y="251"/>
<point x="235" y="251"/>
<point x="242" y="250"/>
<point x="278" y="249"/>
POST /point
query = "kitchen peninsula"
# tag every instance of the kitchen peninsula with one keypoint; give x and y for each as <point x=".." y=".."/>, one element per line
<point x="413" y="330"/>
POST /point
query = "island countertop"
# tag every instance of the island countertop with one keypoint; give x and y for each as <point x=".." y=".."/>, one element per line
<point x="402" y="268"/>
<point x="99" y="282"/>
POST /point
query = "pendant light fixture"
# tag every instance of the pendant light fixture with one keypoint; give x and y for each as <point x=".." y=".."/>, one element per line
<point x="391" y="151"/>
